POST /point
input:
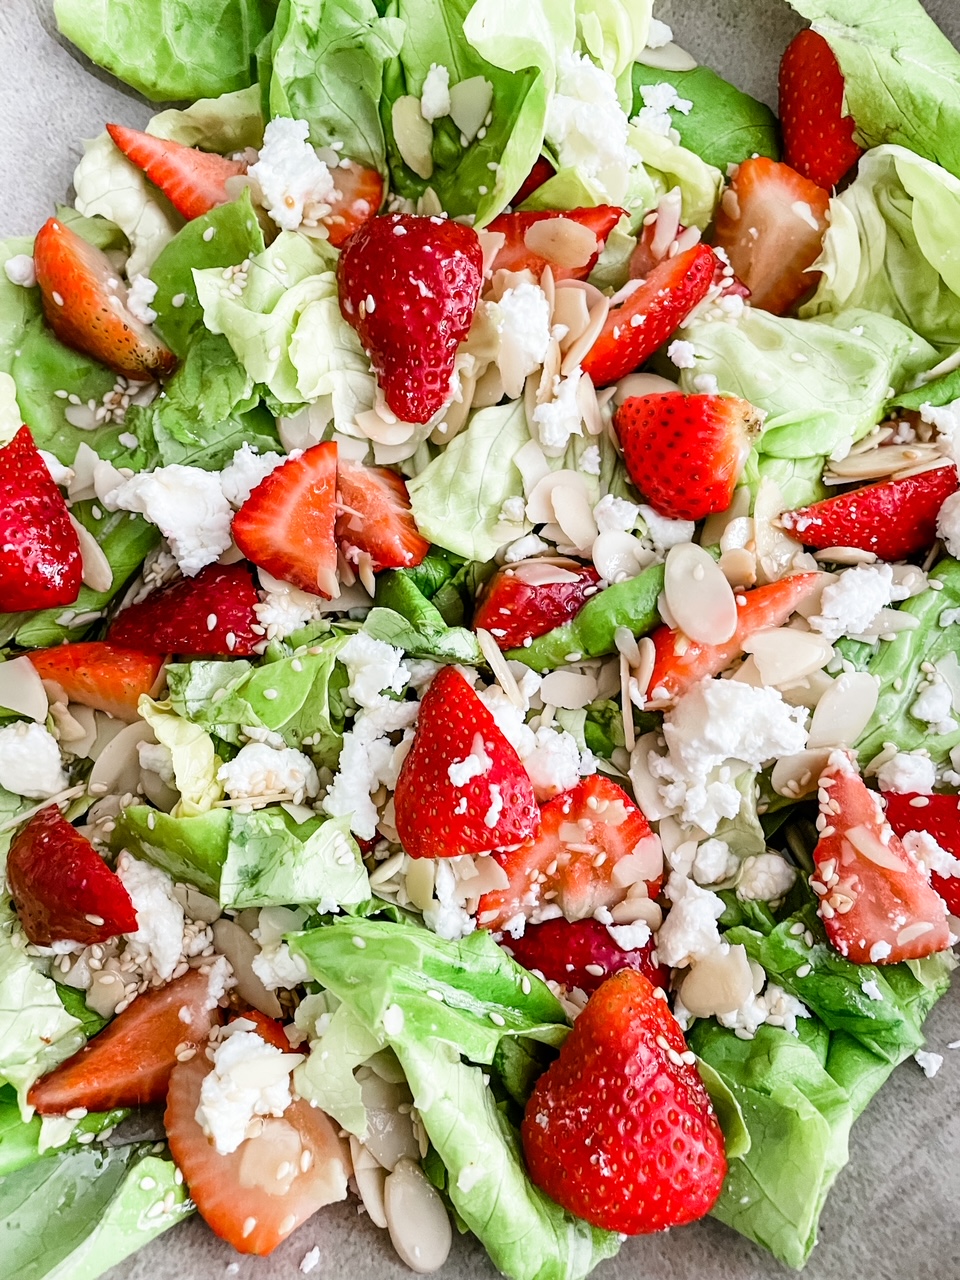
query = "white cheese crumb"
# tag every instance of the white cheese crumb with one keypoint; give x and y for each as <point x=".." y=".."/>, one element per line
<point x="765" y="877"/>
<point x="929" y="1063"/>
<point x="587" y="127"/>
<point x="187" y="506"/>
<point x="30" y="761"/>
<point x="157" y="945"/>
<point x="249" y="1078"/>
<point x="19" y="269"/>
<point x="682" y="354"/>
<point x="259" y="770"/>
<point x="140" y="294"/>
<point x="245" y="471"/>
<point x="435" y="95"/>
<point x="615" y="515"/>
<point x="849" y="606"/>
<point x="558" y="419"/>
<point x="295" y="184"/>
<point x="658" y="101"/>
<point x="907" y="773"/>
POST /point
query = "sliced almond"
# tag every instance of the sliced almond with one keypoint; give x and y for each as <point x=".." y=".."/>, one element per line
<point x="775" y="549"/>
<point x="491" y="242"/>
<point x="698" y="595"/>
<point x="714" y="526"/>
<point x="97" y="573"/>
<point x="571" y="309"/>
<point x="878" y="463"/>
<point x="574" y="514"/>
<point x="619" y="556"/>
<point x="540" y="506"/>
<point x="739" y="567"/>
<point x="642" y="384"/>
<point x="470" y="102"/>
<point x="568" y="689"/>
<point x="545" y="572"/>
<point x="721" y="982"/>
<point x="589" y="405"/>
<point x="871" y="847"/>
<point x="416" y="1219"/>
<point x="370" y="1177"/>
<point x="798" y="775"/>
<point x="562" y="241"/>
<point x="669" y="57"/>
<point x="240" y="949"/>
<point x="784" y="655"/>
<point x="576" y="352"/>
<point x="667" y="224"/>
<point x="844" y="711"/>
<point x="22" y="691"/>
<point x="117" y="767"/>
<point x="413" y="135"/>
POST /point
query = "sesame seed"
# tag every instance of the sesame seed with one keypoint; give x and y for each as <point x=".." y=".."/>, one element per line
<point x="208" y="236"/>
<point x="211" y="621"/>
<point x="287" y="1225"/>
<point x="359" y="942"/>
<point x="96" y="921"/>
<point x="804" y="970"/>
<point x="249" y="1224"/>
<point x="497" y="1019"/>
<point x="269" y="694"/>
<point x="58" y="298"/>
<point x="76" y="1113"/>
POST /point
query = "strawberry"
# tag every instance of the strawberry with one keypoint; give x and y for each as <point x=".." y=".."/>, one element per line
<point x="771" y="222"/>
<point x="620" y="1130"/>
<point x="895" y="518"/>
<point x="128" y="1063"/>
<point x="266" y="1027"/>
<point x="206" y="616"/>
<point x="85" y="305"/>
<point x="359" y="197"/>
<point x="875" y="902"/>
<point x="516" y="254"/>
<point x="680" y="662"/>
<point x="571" y="954"/>
<point x="62" y="889"/>
<point x="817" y="136"/>
<point x="286" y="525"/>
<point x="101" y="675"/>
<point x="193" y="181"/>
<point x="491" y="804"/>
<point x="256" y="1196"/>
<point x="641" y="324"/>
<point x="40" y="562"/>
<point x="593" y="843"/>
<point x="685" y="453"/>
<point x="541" y="172"/>
<point x="375" y="517"/>
<point x="409" y="286"/>
<point x="939" y="816"/>
<point x="513" y="608"/>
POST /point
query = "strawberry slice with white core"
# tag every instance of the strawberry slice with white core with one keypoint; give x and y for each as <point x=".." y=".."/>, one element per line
<point x="375" y="519"/>
<point x="193" y="181"/>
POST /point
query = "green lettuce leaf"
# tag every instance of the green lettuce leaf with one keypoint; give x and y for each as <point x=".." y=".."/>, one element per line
<point x="190" y="850"/>
<point x="195" y="761"/>
<point x="901" y="75"/>
<point x="668" y="166"/>
<point x="165" y="51"/>
<point x="426" y="637"/>
<point x="24" y="1141"/>
<point x="272" y="861"/>
<point x="229" y="122"/>
<point x="614" y="34"/>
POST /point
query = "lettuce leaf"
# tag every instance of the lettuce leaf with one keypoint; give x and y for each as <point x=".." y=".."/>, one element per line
<point x="24" y="1141"/>
<point x="168" y="51"/>
<point x="668" y="165"/>
<point x="273" y="861"/>
<point x="229" y="122"/>
<point x="195" y="762"/>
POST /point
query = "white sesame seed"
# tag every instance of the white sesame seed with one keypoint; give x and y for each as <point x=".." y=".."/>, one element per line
<point x="804" y="970"/>
<point x="249" y="1225"/>
<point x="208" y="236"/>
<point x="58" y="298"/>
<point x="269" y="694"/>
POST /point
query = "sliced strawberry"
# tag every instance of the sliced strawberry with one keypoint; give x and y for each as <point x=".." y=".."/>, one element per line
<point x="939" y="816"/>
<point x="685" y="453"/>
<point x="193" y="181"/>
<point x="128" y="1063"/>
<point x="267" y="1028"/>
<point x="875" y="902"/>
<point x="100" y="675"/>
<point x="620" y="1130"/>
<point x="375" y="518"/>
<point x="582" y="954"/>
<point x="641" y="324"/>
<point x="895" y="518"/>
<point x="85" y="305"/>
<point x="537" y="240"/>
<point x="359" y="197"/>
<point x="61" y="887"/>
<point x="286" y="525"/>
<point x="462" y="788"/>
<point x="771" y="222"/>
<point x="541" y="172"/>
<point x="409" y="286"/>
<point x="817" y="136"/>
<point x="529" y="599"/>
<point x="593" y="844"/>
<point x="680" y="662"/>
<point x="40" y="562"/>
<point x="206" y="616"/>
<point x="256" y="1196"/>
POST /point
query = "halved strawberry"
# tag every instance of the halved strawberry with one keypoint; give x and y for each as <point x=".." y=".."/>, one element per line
<point x="771" y="222"/>
<point x="359" y="197"/>
<point x="286" y="525"/>
<point x="256" y="1196"/>
<point x="939" y="816"/>
<point x="582" y="954"/>
<point x="875" y="902"/>
<point x="817" y="136"/>
<point x="685" y="453"/>
<point x="101" y="675"/>
<point x="61" y="887"/>
<point x="593" y="844"/>
<point x="129" y="1062"/>
<point x="620" y="1130"/>
<point x="375" y="517"/>
<point x="193" y="181"/>
<point x="40" y="562"/>
<point x="641" y="324"/>
<point x="529" y="599"/>
<point x="680" y="662"/>
<point x="206" y="616"/>
<point x="462" y="788"/>
<point x="538" y="240"/>
<point x="541" y="172"/>
<point x="409" y="286"/>
<point x="895" y="518"/>
<point x="85" y="305"/>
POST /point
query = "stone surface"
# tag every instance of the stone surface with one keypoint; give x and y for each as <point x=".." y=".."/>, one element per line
<point x="893" y="1212"/>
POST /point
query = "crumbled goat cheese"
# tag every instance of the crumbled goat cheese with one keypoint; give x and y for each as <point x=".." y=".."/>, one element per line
<point x="946" y="419"/>
<point x="19" y="269"/>
<point x="446" y="915"/>
<point x="310" y="1260"/>
<point x="849" y="606"/>
<point x="590" y="461"/>
<point x="587" y="127"/>
<point x="30" y="761"/>
<point x="141" y="293"/>
<point x="765" y="877"/>
<point x="373" y="667"/>
<point x="871" y="989"/>
<point x="706" y="384"/>
<point x="774" y="1007"/>
<point x="931" y="855"/>
<point x="513" y="510"/>
<point x="522" y="318"/>
<point x="714" y="862"/>
<point x="244" y="472"/>
<point x="906" y="773"/>
<point x="929" y="1063"/>
<point x="474" y="765"/>
<point x="284" y="608"/>
<point x="663" y="533"/>
<point x="249" y="1078"/>
<point x="261" y="771"/>
<point x="295" y="184"/>
<point x="368" y="760"/>
<point x="157" y="944"/>
<point x="630" y="937"/>
<point x="523" y="548"/>
<point x="934" y="706"/>
<point x="277" y="967"/>
<point x="689" y="931"/>
<point x="682" y="354"/>
<point x="551" y="758"/>
<point x="187" y="506"/>
<point x="435" y="95"/>
<point x="658" y="101"/>
<point x="558" y="419"/>
<point x="615" y="515"/>
<point x="158" y="759"/>
<point x="658" y="34"/>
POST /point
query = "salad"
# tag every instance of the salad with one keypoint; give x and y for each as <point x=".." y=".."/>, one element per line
<point x="480" y="633"/>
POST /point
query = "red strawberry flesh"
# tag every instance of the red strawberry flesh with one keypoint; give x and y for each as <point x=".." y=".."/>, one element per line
<point x="513" y="608"/>
<point x="522" y="252"/>
<point x="207" y="616"/>
<point x="582" y="954"/>
<point x="817" y="136"/>
<point x="193" y="181"/>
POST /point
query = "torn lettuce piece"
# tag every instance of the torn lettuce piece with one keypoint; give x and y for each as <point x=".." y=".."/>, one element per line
<point x="424" y="636"/>
<point x="194" y="759"/>
<point x="669" y="166"/>
<point x="24" y="1141"/>
<point x="273" y="861"/>
<point x="228" y="122"/>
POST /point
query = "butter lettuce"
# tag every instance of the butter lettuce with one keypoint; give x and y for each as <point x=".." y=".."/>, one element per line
<point x="195" y="762"/>
<point x="614" y="34"/>
<point x="668" y="166"/>
<point x="24" y="1141"/>
<point x="228" y="122"/>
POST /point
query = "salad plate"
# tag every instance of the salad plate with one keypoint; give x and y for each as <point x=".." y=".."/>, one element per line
<point x="894" y="1176"/>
